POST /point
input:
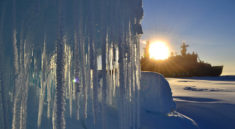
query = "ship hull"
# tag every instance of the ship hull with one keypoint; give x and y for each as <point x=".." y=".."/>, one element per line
<point x="176" y="70"/>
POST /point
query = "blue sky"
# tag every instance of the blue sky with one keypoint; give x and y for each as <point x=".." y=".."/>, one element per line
<point x="208" y="26"/>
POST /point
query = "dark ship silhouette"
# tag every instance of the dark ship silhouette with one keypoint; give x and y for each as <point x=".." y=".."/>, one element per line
<point x="184" y="65"/>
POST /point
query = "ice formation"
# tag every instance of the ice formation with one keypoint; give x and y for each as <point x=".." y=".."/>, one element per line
<point x="156" y="95"/>
<point x="67" y="58"/>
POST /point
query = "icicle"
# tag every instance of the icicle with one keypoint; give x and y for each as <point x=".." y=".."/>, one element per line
<point x="16" y="94"/>
<point x="76" y="74"/>
<point x="15" y="52"/>
<point x="106" y="29"/>
<point x="67" y="77"/>
<point x="54" y="115"/>
<point x="60" y="89"/>
<point x="14" y="120"/>
<point x="49" y="83"/>
<point x="69" y="56"/>
<point x="87" y="78"/>
<point x="95" y="82"/>
<point x="43" y="84"/>
<point x="83" y="75"/>
<point x="21" y="91"/>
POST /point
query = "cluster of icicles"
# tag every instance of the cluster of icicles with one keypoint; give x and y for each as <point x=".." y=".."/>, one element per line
<point x="80" y="78"/>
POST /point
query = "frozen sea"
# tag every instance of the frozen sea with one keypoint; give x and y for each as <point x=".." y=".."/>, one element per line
<point x="209" y="101"/>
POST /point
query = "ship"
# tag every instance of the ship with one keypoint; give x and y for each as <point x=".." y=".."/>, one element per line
<point x="181" y="65"/>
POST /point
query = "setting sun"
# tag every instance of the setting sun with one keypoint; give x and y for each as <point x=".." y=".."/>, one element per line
<point x="159" y="51"/>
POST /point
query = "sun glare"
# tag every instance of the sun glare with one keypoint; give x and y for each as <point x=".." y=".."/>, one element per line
<point x="159" y="51"/>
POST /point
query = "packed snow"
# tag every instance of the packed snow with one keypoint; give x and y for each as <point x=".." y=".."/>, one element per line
<point x="207" y="100"/>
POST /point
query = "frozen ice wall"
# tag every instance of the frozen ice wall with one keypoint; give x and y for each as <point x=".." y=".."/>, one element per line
<point x="63" y="61"/>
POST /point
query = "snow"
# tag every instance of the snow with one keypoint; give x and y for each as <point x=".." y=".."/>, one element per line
<point x="207" y="100"/>
<point x="219" y="88"/>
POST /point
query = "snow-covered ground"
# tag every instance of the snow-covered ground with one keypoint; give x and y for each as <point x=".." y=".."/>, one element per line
<point x="209" y="101"/>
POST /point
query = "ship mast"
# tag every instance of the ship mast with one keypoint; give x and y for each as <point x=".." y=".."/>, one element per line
<point x="184" y="49"/>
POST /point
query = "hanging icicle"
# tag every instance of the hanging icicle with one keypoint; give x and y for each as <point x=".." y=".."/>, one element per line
<point x="79" y="58"/>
